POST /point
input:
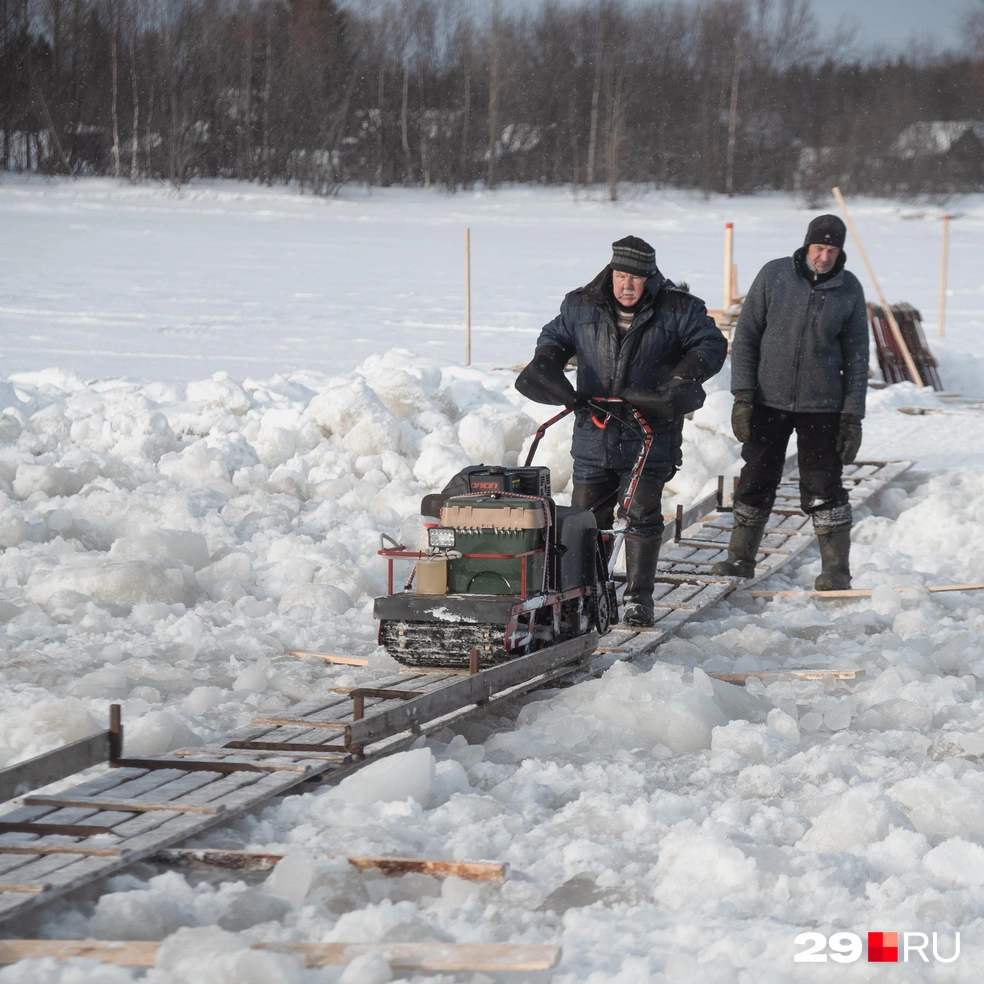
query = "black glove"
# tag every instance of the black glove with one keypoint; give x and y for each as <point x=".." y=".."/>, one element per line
<point x="692" y="366"/>
<point x="849" y="437"/>
<point x="670" y="399"/>
<point x="741" y="415"/>
<point x="543" y="380"/>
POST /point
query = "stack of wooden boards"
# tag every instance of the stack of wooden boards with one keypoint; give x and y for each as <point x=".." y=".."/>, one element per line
<point x="892" y="360"/>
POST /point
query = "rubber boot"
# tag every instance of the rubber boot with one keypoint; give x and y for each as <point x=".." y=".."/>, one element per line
<point x="835" y="551"/>
<point x="746" y="535"/>
<point x="641" y="555"/>
<point x="833" y="529"/>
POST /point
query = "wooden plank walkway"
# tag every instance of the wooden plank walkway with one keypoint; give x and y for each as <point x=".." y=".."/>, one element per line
<point x="684" y="585"/>
<point x="52" y="845"/>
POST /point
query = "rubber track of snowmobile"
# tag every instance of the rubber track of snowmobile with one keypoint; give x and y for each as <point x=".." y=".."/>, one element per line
<point x="326" y="737"/>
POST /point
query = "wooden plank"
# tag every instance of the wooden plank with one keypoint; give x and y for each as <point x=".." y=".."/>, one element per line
<point x="41" y="849"/>
<point x="863" y="592"/>
<point x="467" y="870"/>
<point x="307" y="723"/>
<point x="391" y="867"/>
<point x="295" y="766"/>
<point x="59" y="763"/>
<point x="191" y="765"/>
<point x="790" y="675"/>
<point x="328" y="657"/>
<point x="472" y="689"/>
<point x="377" y="693"/>
<point x="443" y="957"/>
<point x="284" y="746"/>
<point x="42" y="829"/>
<point x="26" y="889"/>
<point x="117" y="806"/>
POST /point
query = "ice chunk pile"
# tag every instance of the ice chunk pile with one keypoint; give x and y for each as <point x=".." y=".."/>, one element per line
<point x="170" y="540"/>
<point x="165" y="544"/>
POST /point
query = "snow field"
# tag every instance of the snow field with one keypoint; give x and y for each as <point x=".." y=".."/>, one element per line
<point x="164" y="541"/>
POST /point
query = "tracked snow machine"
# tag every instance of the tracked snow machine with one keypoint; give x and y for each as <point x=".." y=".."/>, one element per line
<point x="505" y="570"/>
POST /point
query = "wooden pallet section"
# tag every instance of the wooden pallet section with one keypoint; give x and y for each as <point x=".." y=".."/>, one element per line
<point x="684" y="585"/>
<point x="143" y="806"/>
<point x="52" y="845"/>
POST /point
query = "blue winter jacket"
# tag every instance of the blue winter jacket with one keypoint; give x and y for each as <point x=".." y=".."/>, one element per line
<point x="669" y="324"/>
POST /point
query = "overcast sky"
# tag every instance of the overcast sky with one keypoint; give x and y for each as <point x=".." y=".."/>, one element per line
<point x="891" y="23"/>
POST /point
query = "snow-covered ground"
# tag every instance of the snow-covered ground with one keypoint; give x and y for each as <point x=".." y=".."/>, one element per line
<point x="212" y="406"/>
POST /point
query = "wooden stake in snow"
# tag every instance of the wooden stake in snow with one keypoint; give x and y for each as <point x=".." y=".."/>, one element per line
<point x="892" y="323"/>
<point x="729" y="246"/>
<point x="943" y="270"/>
<point x="467" y="297"/>
<point x="445" y="957"/>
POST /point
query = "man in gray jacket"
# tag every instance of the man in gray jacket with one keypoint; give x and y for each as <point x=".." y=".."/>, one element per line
<point x="799" y="362"/>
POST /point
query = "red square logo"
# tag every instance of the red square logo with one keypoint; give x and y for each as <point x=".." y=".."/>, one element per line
<point x="883" y="947"/>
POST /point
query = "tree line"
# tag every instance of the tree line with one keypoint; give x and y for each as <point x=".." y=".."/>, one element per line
<point x="731" y="96"/>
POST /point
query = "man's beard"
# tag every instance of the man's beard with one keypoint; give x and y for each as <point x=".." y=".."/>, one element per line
<point x="812" y="267"/>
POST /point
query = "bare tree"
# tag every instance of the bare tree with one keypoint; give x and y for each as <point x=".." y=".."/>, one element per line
<point x="495" y="82"/>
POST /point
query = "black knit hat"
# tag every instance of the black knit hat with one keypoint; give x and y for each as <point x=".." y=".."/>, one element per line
<point x="634" y="255"/>
<point x="826" y="230"/>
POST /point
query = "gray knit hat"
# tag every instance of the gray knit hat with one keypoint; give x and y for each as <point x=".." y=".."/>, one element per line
<point x="634" y="255"/>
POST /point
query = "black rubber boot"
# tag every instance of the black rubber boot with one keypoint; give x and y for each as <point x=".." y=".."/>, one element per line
<point x="833" y="529"/>
<point x="835" y="552"/>
<point x="641" y="555"/>
<point x="746" y="535"/>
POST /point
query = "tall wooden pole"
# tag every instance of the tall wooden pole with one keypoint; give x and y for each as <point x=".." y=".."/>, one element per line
<point x="943" y="270"/>
<point x="467" y="297"/>
<point x="729" y="246"/>
<point x="892" y="323"/>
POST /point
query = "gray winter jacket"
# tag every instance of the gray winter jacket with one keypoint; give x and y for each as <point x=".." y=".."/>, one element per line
<point x="803" y="346"/>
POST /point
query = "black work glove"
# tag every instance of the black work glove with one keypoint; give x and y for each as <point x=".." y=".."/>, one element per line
<point x="692" y="366"/>
<point x="670" y="399"/>
<point x="849" y="437"/>
<point x="543" y="380"/>
<point x="741" y="415"/>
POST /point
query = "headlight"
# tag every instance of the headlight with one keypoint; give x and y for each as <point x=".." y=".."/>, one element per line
<point x="440" y="536"/>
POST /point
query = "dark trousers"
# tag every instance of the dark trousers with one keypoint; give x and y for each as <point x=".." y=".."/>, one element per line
<point x="645" y="519"/>
<point x="819" y="463"/>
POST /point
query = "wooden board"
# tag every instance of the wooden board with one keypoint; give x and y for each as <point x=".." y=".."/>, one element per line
<point x="329" y="657"/>
<point x="117" y="806"/>
<point x="864" y="592"/>
<point x="441" y="957"/>
<point x="59" y="763"/>
<point x="261" y="861"/>
<point x="772" y="675"/>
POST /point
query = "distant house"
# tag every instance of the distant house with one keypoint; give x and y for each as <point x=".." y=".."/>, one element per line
<point x="947" y="153"/>
<point x="938" y="138"/>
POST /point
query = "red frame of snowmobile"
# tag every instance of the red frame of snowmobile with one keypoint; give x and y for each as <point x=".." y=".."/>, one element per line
<point x="513" y="636"/>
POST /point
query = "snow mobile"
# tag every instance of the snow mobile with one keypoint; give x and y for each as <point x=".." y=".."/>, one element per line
<point x="504" y="570"/>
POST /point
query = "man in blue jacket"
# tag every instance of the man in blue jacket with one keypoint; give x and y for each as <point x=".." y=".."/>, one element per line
<point x="638" y="337"/>
<point x="799" y="362"/>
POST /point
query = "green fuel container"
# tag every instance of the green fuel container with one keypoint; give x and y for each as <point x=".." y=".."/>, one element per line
<point x="495" y="524"/>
